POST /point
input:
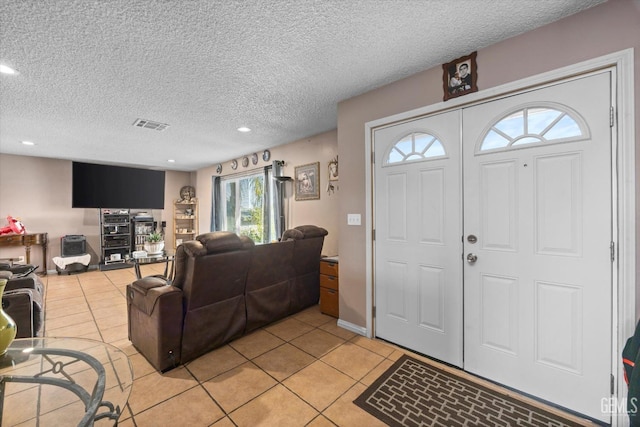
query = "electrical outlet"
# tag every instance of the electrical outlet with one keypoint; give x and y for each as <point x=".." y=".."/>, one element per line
<point x="353" y="219"/>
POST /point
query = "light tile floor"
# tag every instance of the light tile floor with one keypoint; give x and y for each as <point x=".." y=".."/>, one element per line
<point x="301" y="371"/>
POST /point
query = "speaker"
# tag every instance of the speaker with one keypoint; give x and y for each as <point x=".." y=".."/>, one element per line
<point x="276" y="169"/>
<point x="73" y="245"/>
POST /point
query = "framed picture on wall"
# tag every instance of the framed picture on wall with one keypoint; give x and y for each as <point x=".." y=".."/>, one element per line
<point x="307" y="181"/>
<point x="460" y="76"/>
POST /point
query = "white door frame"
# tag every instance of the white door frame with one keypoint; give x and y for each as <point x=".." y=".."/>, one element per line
<point x="624" y="187"/>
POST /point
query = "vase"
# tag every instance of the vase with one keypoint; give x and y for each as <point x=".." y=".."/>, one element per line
<point x="8" y="327"/>
<point x="154" y="248"/>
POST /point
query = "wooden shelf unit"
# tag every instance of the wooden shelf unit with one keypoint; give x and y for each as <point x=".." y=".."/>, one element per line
<point x="185" y="225"/>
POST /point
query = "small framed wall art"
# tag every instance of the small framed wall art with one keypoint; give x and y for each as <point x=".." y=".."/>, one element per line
<point x="307" y="181"/>
<point x="460" y="76"/>
<point x="333" y="169"/>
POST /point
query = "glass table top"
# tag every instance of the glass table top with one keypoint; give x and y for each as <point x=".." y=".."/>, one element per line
<point x="63" y="381"/>
<point x="152" y="258"/>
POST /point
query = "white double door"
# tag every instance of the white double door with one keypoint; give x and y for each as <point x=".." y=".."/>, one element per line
<point x="497" y="258"/>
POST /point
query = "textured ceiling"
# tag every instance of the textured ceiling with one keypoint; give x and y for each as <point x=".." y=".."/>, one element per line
<point x="89" y="69"/>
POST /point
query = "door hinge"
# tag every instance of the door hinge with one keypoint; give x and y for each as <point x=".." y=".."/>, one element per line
<point x="612" y="116"/>
<point x="374" y="311"/>
<point x="373" y="234"/>
<point x="613" y="384"/>
<point x="373" y="157"/>
<point x="612" y="248"/>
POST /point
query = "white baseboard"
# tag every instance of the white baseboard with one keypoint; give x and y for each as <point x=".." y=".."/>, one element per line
<point x="360" y="330"/>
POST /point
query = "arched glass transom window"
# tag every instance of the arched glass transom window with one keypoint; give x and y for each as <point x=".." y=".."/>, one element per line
<point x="416" y="146"/>
<point x="534" y="126"/>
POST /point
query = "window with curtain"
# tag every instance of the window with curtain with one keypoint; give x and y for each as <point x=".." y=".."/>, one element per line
<point x="244" y="204"/>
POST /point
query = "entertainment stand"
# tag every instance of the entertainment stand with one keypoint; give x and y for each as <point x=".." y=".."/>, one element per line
<point x="115" y="239"/>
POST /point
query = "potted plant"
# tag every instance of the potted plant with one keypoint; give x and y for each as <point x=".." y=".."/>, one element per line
<point x="154" y="243"/>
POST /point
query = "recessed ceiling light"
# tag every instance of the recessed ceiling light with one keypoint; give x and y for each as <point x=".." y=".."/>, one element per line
<point x="244" y="129"/>
<point x="7" y="70"/>
<point x="171" y="161"/>
<point x="28" y="143"/>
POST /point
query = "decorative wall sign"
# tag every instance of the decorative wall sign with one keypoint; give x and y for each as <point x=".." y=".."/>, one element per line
<point x="460" y="76"/>
<point x="219" y="168"/>
<point x="333" y="175"/>
<point x="234" y="164"/>
<point x="307" y="181"/>
<point x="187" y="193"/>
<point x="245" y="161"/>
<point x="266" y="155"/>
<point x="254" y="158"/>
<point x="333" y="169"/>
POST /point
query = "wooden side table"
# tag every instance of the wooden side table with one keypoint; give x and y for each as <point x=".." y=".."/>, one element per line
<point x="28" y="240"/>
<point x="329" y="286"/>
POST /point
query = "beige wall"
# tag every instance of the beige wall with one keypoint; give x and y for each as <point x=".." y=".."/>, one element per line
<point x="323" y="212"/>
<point x="37" y="190"/>
<point x="601" y="30"/>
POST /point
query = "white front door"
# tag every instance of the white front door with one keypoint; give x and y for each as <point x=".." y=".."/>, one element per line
<point x="418" y="275"/>
<point x="537" y="236"/>
<point x="531" y="235"/>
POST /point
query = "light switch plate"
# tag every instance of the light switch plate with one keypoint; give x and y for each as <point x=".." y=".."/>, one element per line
<point x="353" y="219"/>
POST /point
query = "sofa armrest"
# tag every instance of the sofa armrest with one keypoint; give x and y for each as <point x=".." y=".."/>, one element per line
<point x="155" y="315"/>
<point x="146" y="292"/>
<point x="24" y="306"/>
<point x="28" y="282"/>
<point x="22" y="269"/>
<point x="144" y="285"/>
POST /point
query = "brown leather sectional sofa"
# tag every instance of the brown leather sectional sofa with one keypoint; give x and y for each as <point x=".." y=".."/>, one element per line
<point x="224" y="286"/>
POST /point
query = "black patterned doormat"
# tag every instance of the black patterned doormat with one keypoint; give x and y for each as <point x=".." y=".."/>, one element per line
<point x="414" y="393"/>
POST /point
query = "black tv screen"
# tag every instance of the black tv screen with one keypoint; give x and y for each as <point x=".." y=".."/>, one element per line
<point x="104" y="186"/>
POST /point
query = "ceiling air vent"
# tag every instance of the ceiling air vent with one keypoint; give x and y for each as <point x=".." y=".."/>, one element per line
<point x="148" y="124"/>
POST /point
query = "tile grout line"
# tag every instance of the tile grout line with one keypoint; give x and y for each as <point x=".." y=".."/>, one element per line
<point x="317" y="359"/>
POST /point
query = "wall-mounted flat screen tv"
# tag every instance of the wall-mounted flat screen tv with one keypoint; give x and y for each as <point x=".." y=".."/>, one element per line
<point x="104" y="186"/>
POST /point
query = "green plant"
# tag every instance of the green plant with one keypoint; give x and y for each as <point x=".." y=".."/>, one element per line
<point x="154" y="237"/>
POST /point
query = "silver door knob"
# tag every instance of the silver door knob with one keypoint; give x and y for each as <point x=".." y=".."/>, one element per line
<point x="472" y="258"/>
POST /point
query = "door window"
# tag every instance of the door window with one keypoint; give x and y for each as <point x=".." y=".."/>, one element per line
<point x="533" y="125"/>
<point x="416" y="146"/>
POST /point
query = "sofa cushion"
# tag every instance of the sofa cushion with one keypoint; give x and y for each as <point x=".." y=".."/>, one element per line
<point x="220" y="241"/>
<point x="292" y="235"/>
<point x="310" y="231"/>
<point x="4" y="274"/>
<point x="193" y="248"/>
<point x="180" y="264"/>
<point x="247" y="243"/>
